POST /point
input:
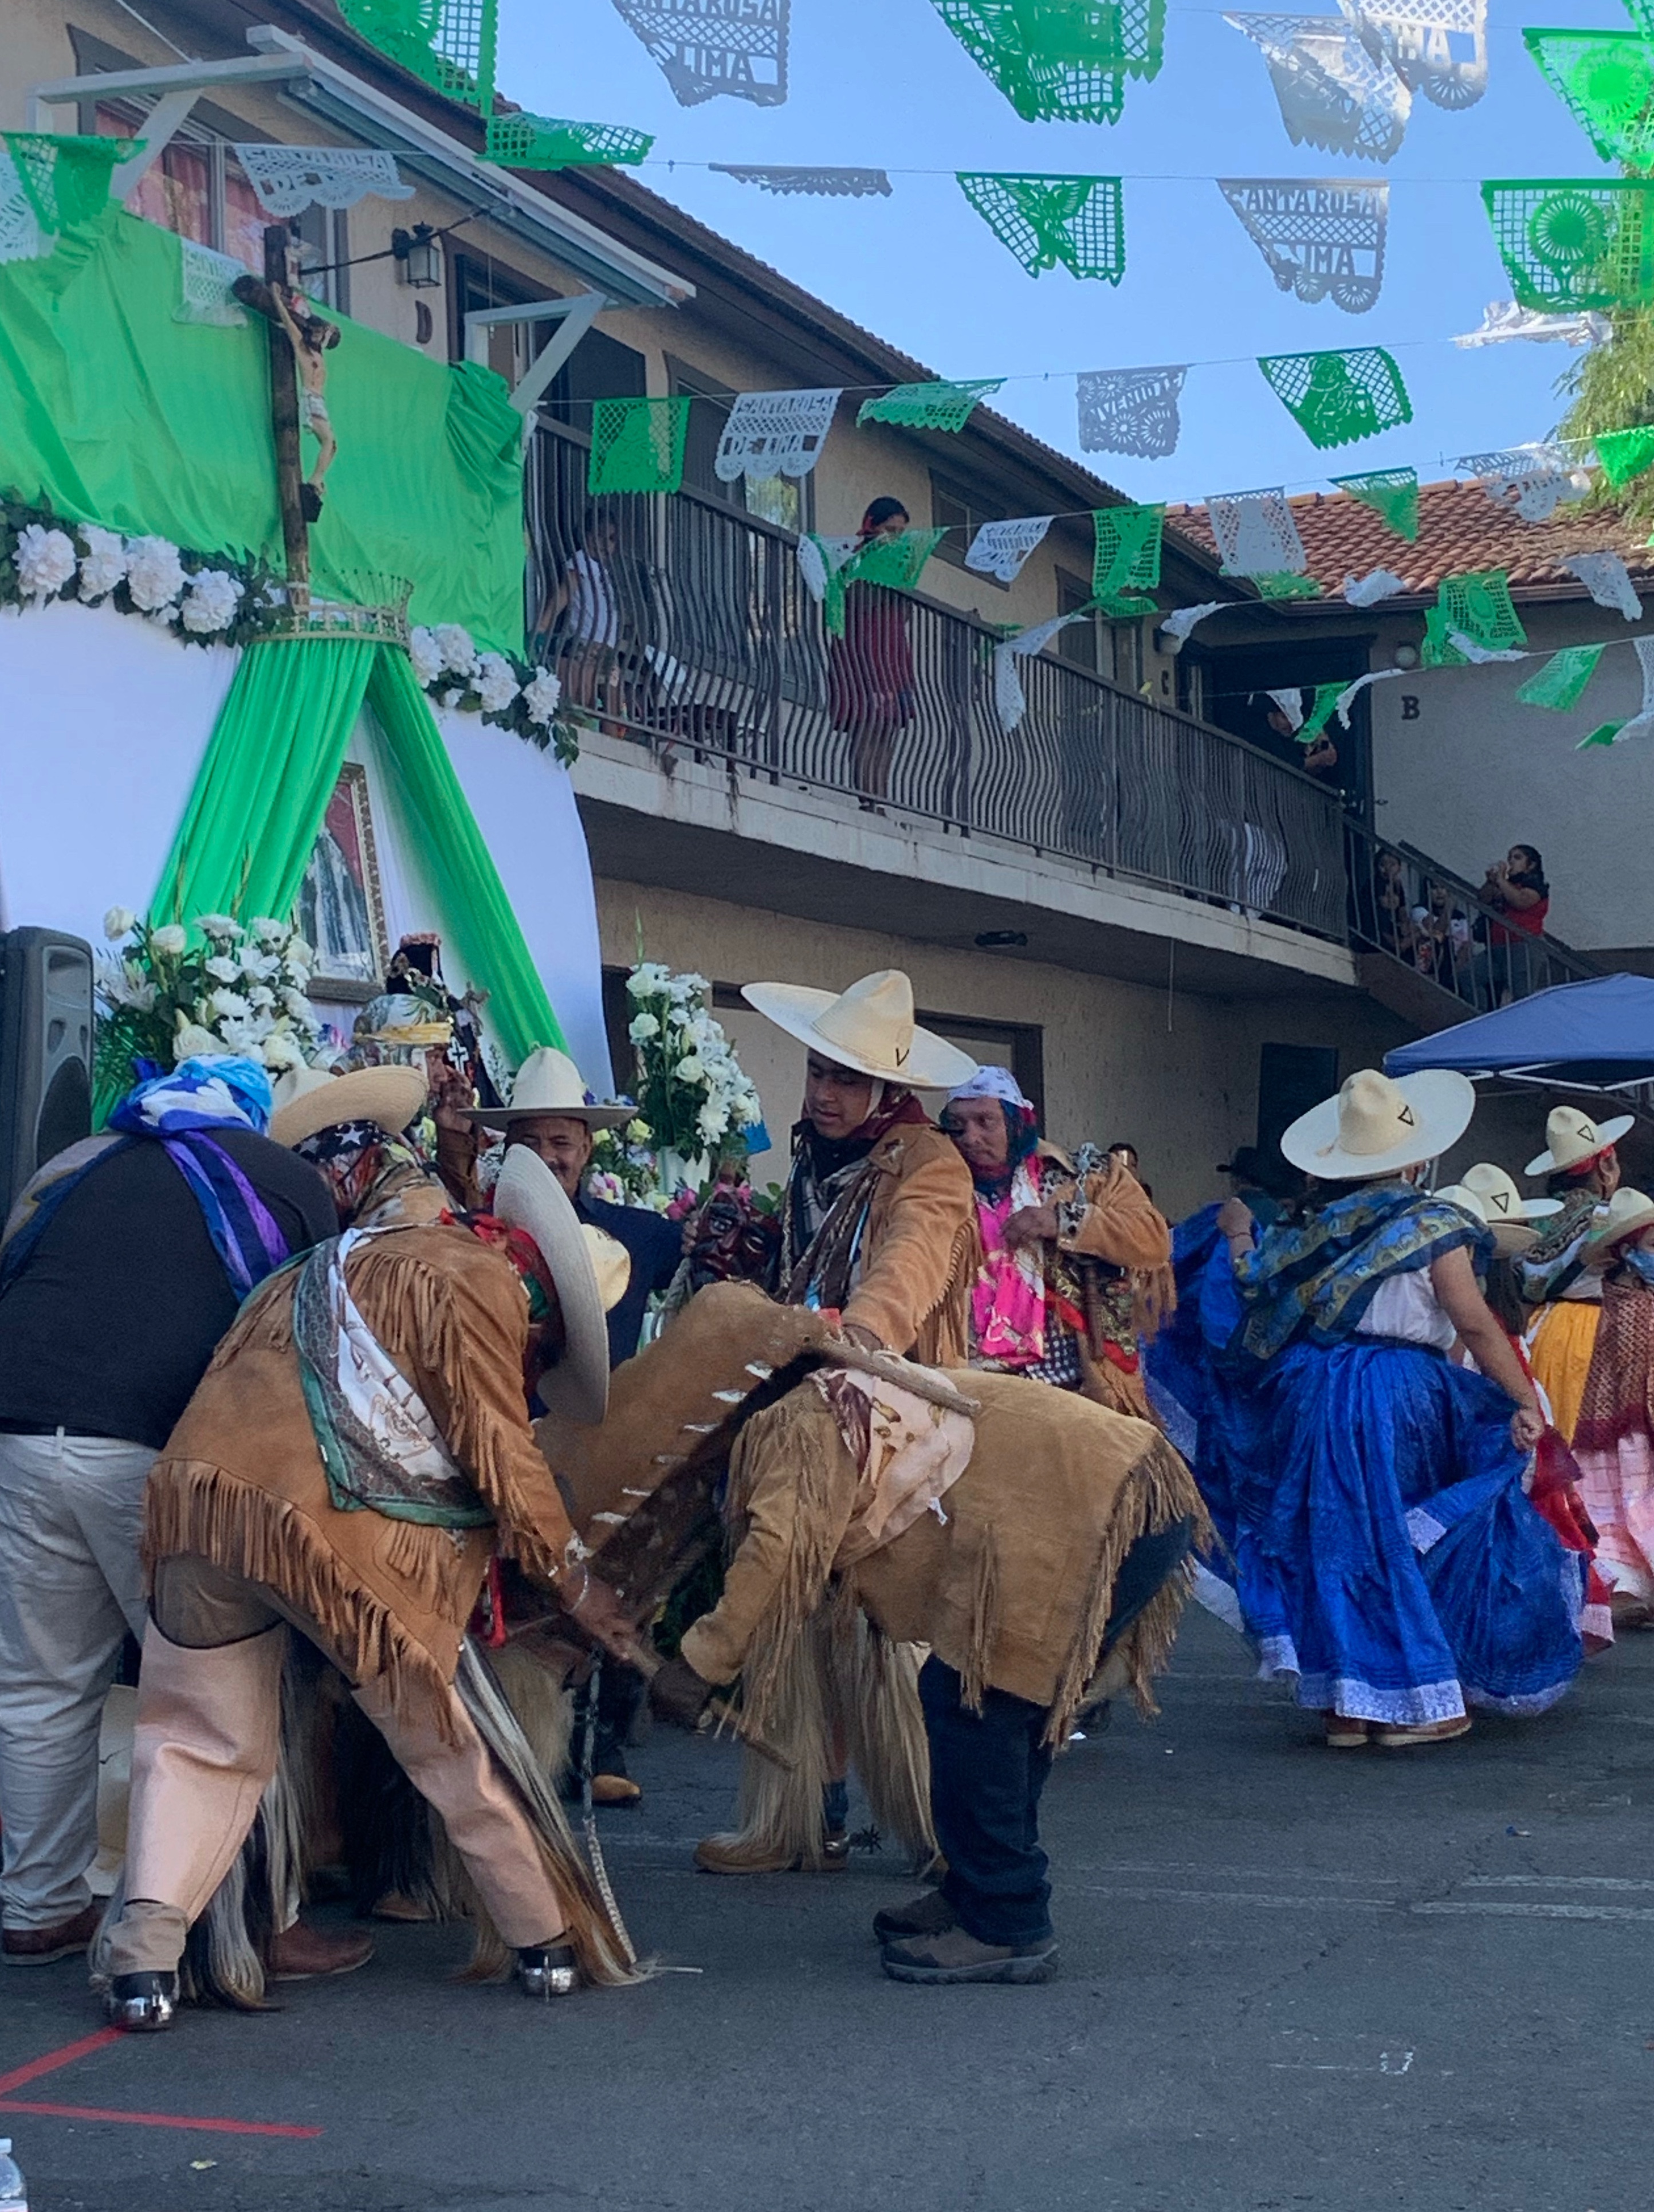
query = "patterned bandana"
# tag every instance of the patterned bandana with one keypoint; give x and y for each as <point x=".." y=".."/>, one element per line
<point x="524" y="1254"/>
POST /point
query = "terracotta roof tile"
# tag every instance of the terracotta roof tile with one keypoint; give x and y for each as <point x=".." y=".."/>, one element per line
<point x="1460" y="531"/>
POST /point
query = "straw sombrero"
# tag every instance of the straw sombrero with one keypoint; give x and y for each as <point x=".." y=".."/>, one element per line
<point x="1573" y="1138"/>
<point x="869" y="1029"/>
<point x="1375" y="1126"/>
<point x="1507" y="1213"/>
<point x="548" y="1082"/>
<point x="1626" y="1212"/>
<point x="307" y="1099"/>
<point x="588" y="1278"/>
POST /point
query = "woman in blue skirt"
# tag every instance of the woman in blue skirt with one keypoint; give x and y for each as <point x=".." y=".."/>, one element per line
<point x="1385" y="1551"/>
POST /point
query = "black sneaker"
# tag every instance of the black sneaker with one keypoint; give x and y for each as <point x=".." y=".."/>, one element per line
<point x="141" y="2004"/>
<point x="956" y="1956"/>
<point x="929" y="1915"/>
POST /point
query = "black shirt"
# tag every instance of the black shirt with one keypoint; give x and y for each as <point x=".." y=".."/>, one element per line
<point x="656" y="1246"/>
<point x="118" y="1309"/>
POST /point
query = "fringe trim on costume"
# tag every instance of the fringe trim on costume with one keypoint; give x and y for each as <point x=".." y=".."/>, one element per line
<point x="1158" y="1491"/>
<point x="196" y="1507"/>
<point x="778" y="1813"/>
<point x="984" y="1628"/>
<point x="942" y="1338"/>
<point x="886" y="1727"/>
<point x="1153" y="1298"/>
<point x="817" y="1529"/>
<point x="599" y="1941"/>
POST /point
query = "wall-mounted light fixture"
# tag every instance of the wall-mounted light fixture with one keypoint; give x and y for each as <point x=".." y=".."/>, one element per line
<point x="420" y="253"/>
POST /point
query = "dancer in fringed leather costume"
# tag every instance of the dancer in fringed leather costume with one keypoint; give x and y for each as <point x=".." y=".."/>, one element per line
<point x="877" y="1227"/>
<point x="1076" y="1272"/>
<point x="357" y="1452"/>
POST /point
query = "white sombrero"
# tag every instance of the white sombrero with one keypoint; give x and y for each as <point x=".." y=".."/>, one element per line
<point x="1375" y="1126"/>
<point x="1626" y="1212"/>
<point x="307" y="1099"/>
<point x="1507" y="1213"/>
<point x="869" y="1029"/>
<point x="548" y="1082"/>
<point x="1573" y="1138"/>
<point x="588" y="1278"/>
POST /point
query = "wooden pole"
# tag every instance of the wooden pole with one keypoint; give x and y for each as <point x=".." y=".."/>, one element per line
<point x="279" y="268"/>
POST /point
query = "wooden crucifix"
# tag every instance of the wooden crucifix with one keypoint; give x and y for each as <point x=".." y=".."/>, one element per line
<point x="299" y="341"/>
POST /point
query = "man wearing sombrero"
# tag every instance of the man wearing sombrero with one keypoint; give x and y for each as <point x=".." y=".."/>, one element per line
<point x="1385" y="1554"/>
<point x="1581" y="1166"/>
<point x="878" y="1225"/>
<point x="358" y="1450"/>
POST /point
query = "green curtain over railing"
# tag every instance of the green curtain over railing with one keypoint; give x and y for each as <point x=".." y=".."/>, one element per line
<point x="270" y="766"/>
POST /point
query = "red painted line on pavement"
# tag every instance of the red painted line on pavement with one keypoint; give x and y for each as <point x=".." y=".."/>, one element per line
<point x="54" y="2059"/>
<point x="159" y="2119"/>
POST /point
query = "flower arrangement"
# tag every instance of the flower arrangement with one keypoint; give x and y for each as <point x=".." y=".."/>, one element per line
<point x="203" y="600"/>
<point x="506" y="692"/>
<point x="239" y="988"/>
<point x="624" y="1170"/>
<point x="217" y="600"/>
<point x="699" y="1106"/>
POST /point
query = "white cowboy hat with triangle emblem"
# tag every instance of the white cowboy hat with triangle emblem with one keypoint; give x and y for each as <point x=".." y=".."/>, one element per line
<point x="1376" y="1126"/>
<point x="869" y="1029"/>
<point x="1573" y="1138"/>
<point x="1488" y="1193"/>
<point x="1626" y="1212"/>
<point x="548" y="1082"/>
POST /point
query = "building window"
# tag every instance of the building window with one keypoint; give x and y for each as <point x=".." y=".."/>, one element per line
<point x="788" y="501"/>
<point x="953" y="510"/>
<point x="200" y="191"/>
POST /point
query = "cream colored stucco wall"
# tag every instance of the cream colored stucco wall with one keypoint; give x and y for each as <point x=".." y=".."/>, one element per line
<point x="1178" y="1075"/>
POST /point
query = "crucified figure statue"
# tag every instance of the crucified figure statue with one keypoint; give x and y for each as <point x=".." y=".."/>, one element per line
<point x="310" y="336"/>
<point x="299" y="340"/>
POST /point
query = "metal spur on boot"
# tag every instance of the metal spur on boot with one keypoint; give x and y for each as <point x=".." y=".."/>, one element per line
<point x="141" y="2004"/>
<point x="547" y="1969"/>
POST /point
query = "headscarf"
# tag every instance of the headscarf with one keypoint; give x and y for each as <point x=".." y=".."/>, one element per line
<point x="1021" y="1125"/>
<point x="361" y="1162"/>
<point x="205" y="1092"/>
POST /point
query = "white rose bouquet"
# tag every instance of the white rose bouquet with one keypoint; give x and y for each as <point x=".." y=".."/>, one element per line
<point x="699" y="1107"/>
<point x="166" y="993"/>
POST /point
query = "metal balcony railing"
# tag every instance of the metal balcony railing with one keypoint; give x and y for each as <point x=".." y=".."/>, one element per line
<point x="1422" y="917"/>
<point x="682" y="621"/>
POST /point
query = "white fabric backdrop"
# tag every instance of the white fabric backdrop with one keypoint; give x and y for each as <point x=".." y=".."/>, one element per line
<point x="103" y="724"/>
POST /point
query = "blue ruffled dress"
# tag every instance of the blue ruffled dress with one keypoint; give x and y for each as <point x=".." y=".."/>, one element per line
<point x="1381" y="1549"/>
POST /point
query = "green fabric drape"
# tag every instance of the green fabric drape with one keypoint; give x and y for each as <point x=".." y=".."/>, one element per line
<point x="263" y="788"/>
<point x="114" y="412"/>
<point x="442" y="830"/>
<point x="270" y="769"/>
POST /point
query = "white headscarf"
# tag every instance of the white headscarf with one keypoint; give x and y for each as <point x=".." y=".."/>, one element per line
<point x="993" y="1083"/>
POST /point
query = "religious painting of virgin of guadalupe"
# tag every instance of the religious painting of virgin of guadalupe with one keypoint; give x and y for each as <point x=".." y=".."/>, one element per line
<point x="341" y="906"/>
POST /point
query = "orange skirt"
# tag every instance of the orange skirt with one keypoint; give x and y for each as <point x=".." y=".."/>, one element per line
<point x="1560" y="1346"/>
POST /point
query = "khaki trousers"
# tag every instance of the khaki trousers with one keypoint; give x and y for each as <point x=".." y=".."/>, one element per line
<point x="204" y="1751"/>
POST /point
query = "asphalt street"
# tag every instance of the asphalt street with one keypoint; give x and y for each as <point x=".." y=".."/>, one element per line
<point x="1353" y="1982"/>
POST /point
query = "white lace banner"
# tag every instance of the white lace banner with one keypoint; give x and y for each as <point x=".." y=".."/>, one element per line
<point x="1346" y="700"/>
<point x="1479" y="655"/>
<point x="1528" y="481"/>
<point x="1010" y="701"/>
<point x="1291" y="703"/>
<point x="206" y="295"/>
<point x="1333" y="93"/>
<point x="1641" y="724"/>
<point x="1437" y="47"/>
<point x="1256" y="533"/>
<point x="999" y="549"/>
<point x="1503" y="320"/>
<point x="775" y="433"/>
<point x="289" y="179"/>
<point x="22" y="238"/>
<point x="820" y="558"/>
<point x="1181" y="621"/>
<point x="1377" y="584"/>
<point x="1130" y="410"/>
<point x="705" y="47"/>
<point x="1607" y="580"/>
<point x="1322" y="238"/>
<point x="826" y="184"/>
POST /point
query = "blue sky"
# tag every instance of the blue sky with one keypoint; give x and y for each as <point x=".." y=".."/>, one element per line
<point x="884" y="84"/>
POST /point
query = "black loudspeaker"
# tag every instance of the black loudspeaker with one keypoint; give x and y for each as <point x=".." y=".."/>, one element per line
<point x="1292" y="1078"/>
<point x="45" y="1051"/>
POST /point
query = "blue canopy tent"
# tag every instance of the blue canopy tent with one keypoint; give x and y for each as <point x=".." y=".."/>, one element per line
<point x="1597" y="1036"/>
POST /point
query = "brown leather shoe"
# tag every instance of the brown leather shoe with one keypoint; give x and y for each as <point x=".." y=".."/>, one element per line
<point x="615" y="1790"/>
<point x="44" y="1947"/>
<point x="304" y="1955"/>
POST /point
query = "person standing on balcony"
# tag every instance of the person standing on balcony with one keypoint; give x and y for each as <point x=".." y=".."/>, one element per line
<point x="879" y="1224"/>
<point x="1385" y="1552"/>
<point x="581" y="614"/>
<point x="1581" y="1168"/>
<point x="870" y="673"/>
<point x="1076" y="1268"/>
<point x="1515" y="888"/>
